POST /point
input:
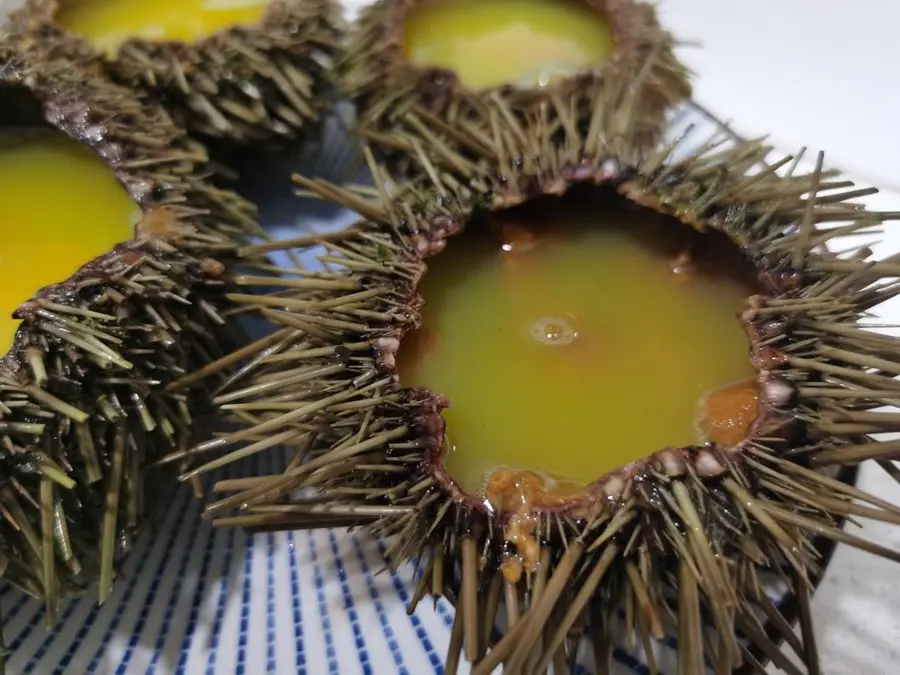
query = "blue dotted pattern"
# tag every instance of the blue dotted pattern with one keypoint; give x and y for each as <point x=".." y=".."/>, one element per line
<point x="386" y="629"/>
<point x="193" y="516"/>
<point x="403" y="595"/>
<point x="220" y="605"/>
<point x="147" y="633"/>
<point x="350" y="608"/>
<point x="244" y="630"/>
<point x="10" y="614"/>
<point x="48" y="641"/>
<point x="36" y="617"/>
<point x="296" y="605"/>
<point x="79" y="640"/>
<point x="194" y="614"/>
<point x="91" y="619"/>
<point x="14" y="611"/>
<point x="125" y="602"/>
<point x="330" y="653"/>
<point x="271" y="666"/>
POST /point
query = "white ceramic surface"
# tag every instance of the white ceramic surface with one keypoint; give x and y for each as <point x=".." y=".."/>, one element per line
<point x="197" y="601"/>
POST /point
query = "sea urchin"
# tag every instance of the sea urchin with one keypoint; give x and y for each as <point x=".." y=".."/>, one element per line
<point x="246" y="73"/>
<point x="420" y="71"/>
<point x="678" y="540"/>
<point x="114" y="253"/>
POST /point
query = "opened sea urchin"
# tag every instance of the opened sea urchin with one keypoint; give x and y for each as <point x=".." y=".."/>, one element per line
<point x="244" y="72"/>
<point x="621" y="400"/>
<point x="113" y="255"/>
<point x="420" y="71"/>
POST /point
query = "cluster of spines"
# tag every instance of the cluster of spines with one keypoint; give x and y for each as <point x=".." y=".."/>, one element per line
<point x="405" y="110"/>
<point x="685" y="549"/>
<point x="87" y="392"/>
<point x="266" y="83"/>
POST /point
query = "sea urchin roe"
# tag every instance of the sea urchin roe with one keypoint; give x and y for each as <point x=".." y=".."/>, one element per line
<point x="489" y="43"/>
<point x="579" y="349"/>
<point x="517" y="493"/>
<point x="108" y="24"/>
<point x="727" y="414"/>
<point x="510" y="489"/>
<point x="60" y="207"/>
<point x="521" y="532"/>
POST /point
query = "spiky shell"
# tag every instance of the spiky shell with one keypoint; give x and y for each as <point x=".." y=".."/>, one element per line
<point x="679" y="544"/>
<point x="404" y="109"/>
<point x="88" y="393"/>
<point x="244" y="85"/>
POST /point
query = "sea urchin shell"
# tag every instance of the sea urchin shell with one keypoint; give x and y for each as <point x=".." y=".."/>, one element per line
<point x="405" y="109"/>
<point x="680" y="543"/>
<point x="264" y="82"/>
<point x="84" y="404"/>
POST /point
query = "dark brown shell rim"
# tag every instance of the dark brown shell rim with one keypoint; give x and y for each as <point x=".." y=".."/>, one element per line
<point x="706" y="461"/>
<point x="63" y="291"/>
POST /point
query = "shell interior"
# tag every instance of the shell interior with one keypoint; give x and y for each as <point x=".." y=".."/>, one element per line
<point x="527" y="43"/>
<point x="45" y="241"/>
<point x="538" y="313"/>
<point x="107" y="25"/>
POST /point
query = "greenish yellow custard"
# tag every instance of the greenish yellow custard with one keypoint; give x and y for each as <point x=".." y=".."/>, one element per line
<point x="108" y="24"/>
<point x="62" y="207"/>
<point x="488" y="43"/>
<point x="575" y="336"/>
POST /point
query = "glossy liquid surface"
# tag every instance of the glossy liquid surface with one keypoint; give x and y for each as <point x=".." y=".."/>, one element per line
<point x="61" y="207"/>
<point x="108" y="24"/>
<point x="575" y="341"/>
<point x="493" y="42"/>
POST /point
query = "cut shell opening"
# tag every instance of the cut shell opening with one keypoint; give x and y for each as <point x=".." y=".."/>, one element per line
<point x="46" y="240"/>
<point x="682" y="543"/>
<point x="525" y="43"/>
<point x="555" y="328"/>
<point x="427" y="75"/>
<point x="107" y="24"/>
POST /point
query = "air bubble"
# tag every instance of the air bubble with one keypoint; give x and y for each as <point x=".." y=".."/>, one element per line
<point x="553" y="331"/>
